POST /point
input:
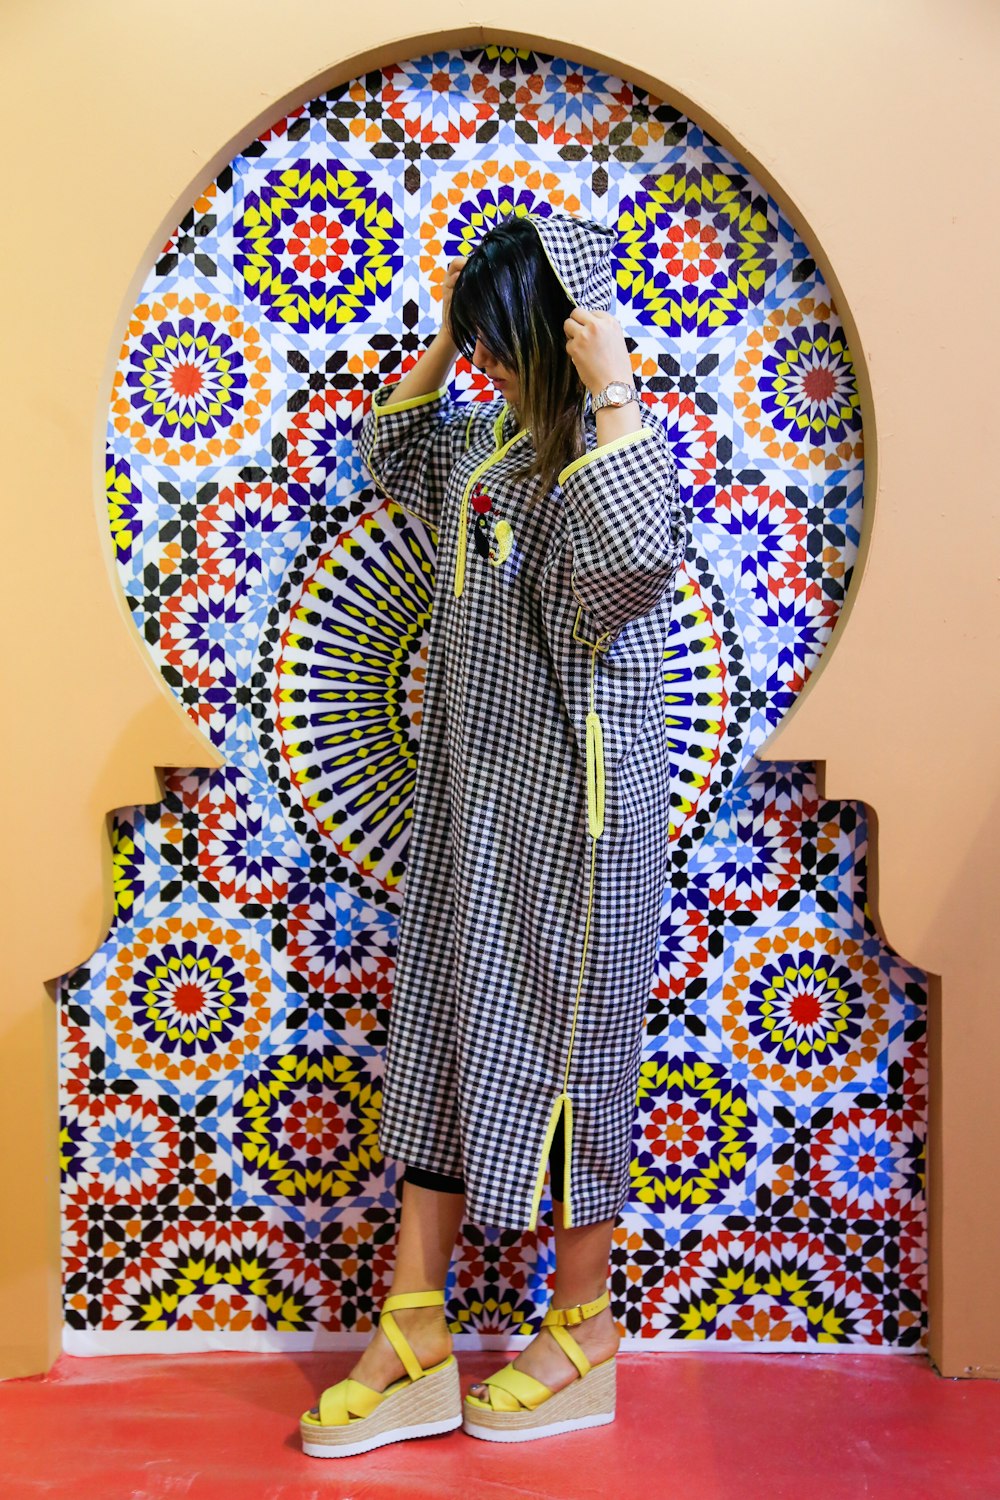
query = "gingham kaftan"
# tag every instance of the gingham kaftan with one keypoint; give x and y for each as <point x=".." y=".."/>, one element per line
<point x="537" y="858"/>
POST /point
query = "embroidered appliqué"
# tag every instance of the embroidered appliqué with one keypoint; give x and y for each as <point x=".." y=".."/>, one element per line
<point x="498" y="548"/>
<point x="481" y="505"/>
<point x="503" y="542"/>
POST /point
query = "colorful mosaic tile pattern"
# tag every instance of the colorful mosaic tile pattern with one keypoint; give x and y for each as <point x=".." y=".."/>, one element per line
<point x="221" y="1053"/>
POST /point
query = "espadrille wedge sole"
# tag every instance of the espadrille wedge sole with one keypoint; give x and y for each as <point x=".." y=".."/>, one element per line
<point x="520" y="1407"/>
<point x="351" y="1417"/>
<point x="411" y="1408"/>
<point x="587" y="1402"/>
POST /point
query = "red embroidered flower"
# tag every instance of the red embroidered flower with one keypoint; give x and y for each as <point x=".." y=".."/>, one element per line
<point x="480" y="501"/>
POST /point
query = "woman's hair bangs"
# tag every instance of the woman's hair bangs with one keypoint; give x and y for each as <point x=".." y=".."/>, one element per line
<point x="508" y="295"/>
<point x="481" y="308"/>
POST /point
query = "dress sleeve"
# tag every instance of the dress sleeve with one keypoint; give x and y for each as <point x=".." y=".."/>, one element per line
<point x="410" y="448"/>
<point x="626" y="523"/>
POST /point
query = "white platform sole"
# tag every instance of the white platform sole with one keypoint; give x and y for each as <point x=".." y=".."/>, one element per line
<point x="586" y="1402"/>
<point x="393" y="1435"/>
<point x="527" y="1434"/>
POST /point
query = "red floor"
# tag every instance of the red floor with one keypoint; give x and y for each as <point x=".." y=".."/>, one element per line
<point x="689" y="1426"/>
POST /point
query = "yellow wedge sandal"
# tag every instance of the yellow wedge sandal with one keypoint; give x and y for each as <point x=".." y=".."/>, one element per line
<point x="351" y="1417"/>
<point x="520" y="1407"/>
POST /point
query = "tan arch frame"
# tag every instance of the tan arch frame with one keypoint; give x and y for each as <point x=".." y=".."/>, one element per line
<point x="90" y="718"/>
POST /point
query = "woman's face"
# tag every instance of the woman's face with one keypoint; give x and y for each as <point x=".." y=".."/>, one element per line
<point x="503" y="378"/>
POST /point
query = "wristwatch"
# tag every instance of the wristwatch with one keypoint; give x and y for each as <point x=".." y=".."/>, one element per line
<point x="618" y="393"/>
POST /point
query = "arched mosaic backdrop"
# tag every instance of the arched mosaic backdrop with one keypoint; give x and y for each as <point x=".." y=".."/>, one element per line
<point x="221" y="1053"/>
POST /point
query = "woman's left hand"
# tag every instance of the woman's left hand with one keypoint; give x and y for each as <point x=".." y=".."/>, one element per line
<point x="596" y="345"/>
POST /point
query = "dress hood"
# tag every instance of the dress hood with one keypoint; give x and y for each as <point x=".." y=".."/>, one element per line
<point x="579" y="251"/>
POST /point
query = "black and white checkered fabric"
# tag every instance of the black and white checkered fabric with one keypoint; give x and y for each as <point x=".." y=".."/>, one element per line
<point x="495" y="922"/>
<point x="579" y="249"/>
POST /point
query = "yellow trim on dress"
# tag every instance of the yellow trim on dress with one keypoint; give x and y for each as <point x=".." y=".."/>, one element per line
<point x="603" y="641"/>
<point x="464" y="508"/>
<point x="536" y="219"/>
<point x="595" y="825"/>
<point x="413" y="401"/>
<point x="393" y="406"/>
<point x="595" y="775"/>
<point x="619" y="442"/>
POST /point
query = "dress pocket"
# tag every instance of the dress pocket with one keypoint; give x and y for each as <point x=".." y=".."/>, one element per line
<point x="595" y="774"/>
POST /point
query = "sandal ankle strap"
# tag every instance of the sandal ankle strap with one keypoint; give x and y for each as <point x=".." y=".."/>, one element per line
<point x="432" y="1298"/>
<point x="393" y="1332"/>
<point x="563" y="1315"/>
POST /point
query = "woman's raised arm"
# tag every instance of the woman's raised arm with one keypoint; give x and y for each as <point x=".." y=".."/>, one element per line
<point x="433" y="367"/>
<point x="431" y="371"/>
<point x="411" y="435"/>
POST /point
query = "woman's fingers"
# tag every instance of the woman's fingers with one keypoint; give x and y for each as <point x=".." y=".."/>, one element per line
<point x="584" y="317"/>
<point x="451" y="275"/>
<point x="596" y="344"/>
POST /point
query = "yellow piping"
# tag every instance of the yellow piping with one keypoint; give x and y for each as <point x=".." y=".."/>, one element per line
<point x="608" y="447"/>
<point x="595" y="823"/>
<point x="603" y="642"/>
<point x="464" y="510"/>
<point x="405" y="405"/>
<point x="398" y="406"/>
<point x="595" y="775"/>
<point x="534" y="219"/>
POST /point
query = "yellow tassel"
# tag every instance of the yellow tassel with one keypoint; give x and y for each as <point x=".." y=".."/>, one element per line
<point x="595" y="774"/>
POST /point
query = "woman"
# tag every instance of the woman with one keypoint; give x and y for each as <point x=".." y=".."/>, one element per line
<point x="538" y="848"/>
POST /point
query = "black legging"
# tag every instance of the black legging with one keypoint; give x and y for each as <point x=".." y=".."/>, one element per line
<point x="423" y="1177"/>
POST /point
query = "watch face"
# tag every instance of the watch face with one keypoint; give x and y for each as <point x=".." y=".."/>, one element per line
<point x="618" y="392"/>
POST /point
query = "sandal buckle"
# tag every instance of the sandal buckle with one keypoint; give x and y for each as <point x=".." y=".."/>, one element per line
<point x="576" y="1314"/>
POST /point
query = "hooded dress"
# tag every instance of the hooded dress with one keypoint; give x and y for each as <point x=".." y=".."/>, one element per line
<point x="538" y="844"/>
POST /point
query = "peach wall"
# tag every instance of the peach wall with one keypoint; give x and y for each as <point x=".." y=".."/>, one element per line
<point x="872" y="126"/>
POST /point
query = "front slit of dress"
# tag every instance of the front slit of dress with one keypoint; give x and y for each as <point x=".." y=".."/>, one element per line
<point x="595" y="826"/>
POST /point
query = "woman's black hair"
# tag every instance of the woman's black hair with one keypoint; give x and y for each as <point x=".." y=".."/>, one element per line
<point x="508" y="295"/>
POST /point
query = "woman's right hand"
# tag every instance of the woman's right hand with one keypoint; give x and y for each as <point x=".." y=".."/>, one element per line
<point x="450" y="277"/>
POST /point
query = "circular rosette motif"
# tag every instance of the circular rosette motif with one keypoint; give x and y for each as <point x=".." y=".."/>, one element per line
<point x="340" y="967"/>
<point x="126" y="1143"/>
<point x="696" y="249"/>
<point x="695" y="1131"/>
<point x="187" y="999"/>
<point x="192" y="381"/>
<point x="431" y="103"/>
<point x="317" y="246"/>
<point x="807" y="1010"/>
<point x="797" y="397"/>
<point x="306" y="1126"/>
<point x="473" y="201"/>
<point x="869" y="1162"/>
<point x="566" y="112"/>
<point x="216" y="1279"/>
<point x="777" y="1292"/>
<point x="341" y="673"/>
